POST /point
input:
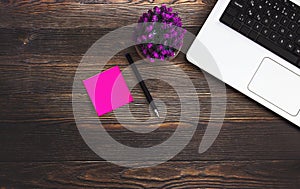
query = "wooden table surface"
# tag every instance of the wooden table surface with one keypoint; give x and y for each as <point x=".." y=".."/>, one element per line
<point x="41" y="44"/>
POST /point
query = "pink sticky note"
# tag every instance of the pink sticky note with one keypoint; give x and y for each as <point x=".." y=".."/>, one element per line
<point x="108" y="90"/>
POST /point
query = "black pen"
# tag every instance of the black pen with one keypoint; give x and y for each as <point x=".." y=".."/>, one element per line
<point x="142" y="84"/>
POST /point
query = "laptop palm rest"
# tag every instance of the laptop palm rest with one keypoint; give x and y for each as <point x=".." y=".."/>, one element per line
<point x="277" y="85"/>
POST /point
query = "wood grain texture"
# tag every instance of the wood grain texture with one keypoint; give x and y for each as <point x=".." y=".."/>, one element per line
<point x="204" y="174"/>
<point x="67" y="42"/>
<point x="42" y="43"/>
<point x="57" y="139"/>
<point x="92" y="14"/>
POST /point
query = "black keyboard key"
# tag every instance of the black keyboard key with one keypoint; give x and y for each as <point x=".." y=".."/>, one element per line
<point x="282" y="30"/>
<point x="281" y="41"/>
<point x="291" y="36"/>
<point x="260" y="7"/>
<point x="265" y="31"/>
<point x="253" y="35"/>
<point x="274" y="36"/>
<point x="277" y="50"/>
<point x="292" y="26"/>
<point x="293" y="16"/>
<point x="237" y="25"/>
<point x="245" y="30"/>
<point x="269" y="13"/>
<point x="257" y="27"/>
<point x="274" y="26"/>
<point x="290" y="46"/>
<point x="266" y="21"/>
<point x="249" y="22"/>
<point x="297" y="51"/>
<point x="231" y="11"/>
<point x="298" y="41"/>
<point x="276" y="17"/>
<point x="284" y="21"/>
<point x="258" y="17"/>
<point x="253" y="3"/>
<point x="240" y="4"/>
<point x="227" y="19"/>
<point x="241" y="17"/>
<point x="250" y="12"/>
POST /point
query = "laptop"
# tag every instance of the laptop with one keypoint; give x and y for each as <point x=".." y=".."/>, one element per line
<point x="256" y="47"/>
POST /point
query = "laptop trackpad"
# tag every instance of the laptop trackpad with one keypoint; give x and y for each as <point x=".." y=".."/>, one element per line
<point x="277" y="85"/>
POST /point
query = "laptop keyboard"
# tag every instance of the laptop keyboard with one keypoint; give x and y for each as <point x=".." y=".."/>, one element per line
<point x="274" y="24"/>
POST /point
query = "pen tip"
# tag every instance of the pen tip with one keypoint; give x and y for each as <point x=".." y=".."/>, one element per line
<point x="156" y="113"/>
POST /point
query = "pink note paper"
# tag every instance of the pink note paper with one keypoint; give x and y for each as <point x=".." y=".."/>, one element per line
<point x="108" y="90"/>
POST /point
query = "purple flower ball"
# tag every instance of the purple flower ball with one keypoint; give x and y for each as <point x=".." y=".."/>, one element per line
<point x="170" y="34"/>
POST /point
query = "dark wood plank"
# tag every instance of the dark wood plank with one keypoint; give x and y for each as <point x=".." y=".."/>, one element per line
<point x="57" y="139"/>
<point x="54" y="42"/>
<point x="92" y="14"/>
<point x="223" y="174"/>
<point x="36" y="41"/>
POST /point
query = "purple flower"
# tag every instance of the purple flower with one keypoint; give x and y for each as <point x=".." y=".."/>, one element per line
<point x="163" y="8"/>
<point x="149" y="45"/>
<point x="145" y="51"/>
<point x="145" y="19"/>
<point x="160" y="47"/>
<point x="155" y="54"/>
<point x="164" y="52"/>
<point x="156" y="10"/>
<point x="154" y="18"/>
<point x="145" y="15"/>
<point x="168" y="16"/>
